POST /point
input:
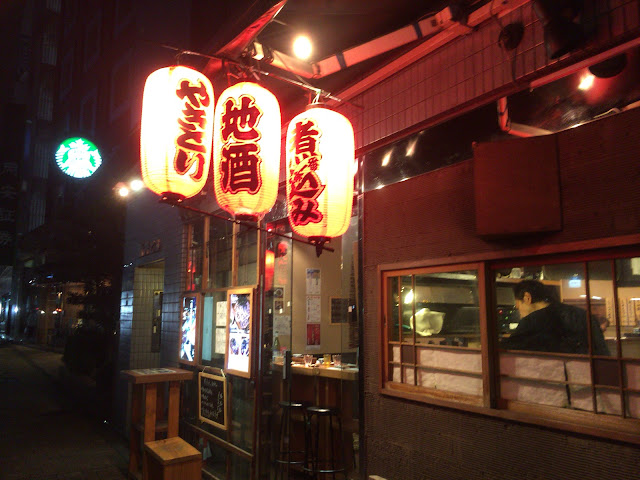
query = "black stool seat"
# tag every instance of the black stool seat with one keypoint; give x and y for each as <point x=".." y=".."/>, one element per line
<point x="289" y="452"/>
<point x="324" y="447"/>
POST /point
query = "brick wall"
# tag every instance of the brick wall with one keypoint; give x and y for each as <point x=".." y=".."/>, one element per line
<point x="432" y="217"/>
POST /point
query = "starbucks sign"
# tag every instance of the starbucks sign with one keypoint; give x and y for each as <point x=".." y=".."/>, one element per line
<point x="78" y="157"/>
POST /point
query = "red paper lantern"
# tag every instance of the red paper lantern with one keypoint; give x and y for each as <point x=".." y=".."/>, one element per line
<point x="176" y="131"/>
<point x="320" y="169"/>
<point x="269" y="268"/>
<point x="246" y="167"/>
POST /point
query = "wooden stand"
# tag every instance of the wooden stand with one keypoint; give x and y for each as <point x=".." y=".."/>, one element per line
<point x="171" y="459"/>
<point x="148" y="399"/>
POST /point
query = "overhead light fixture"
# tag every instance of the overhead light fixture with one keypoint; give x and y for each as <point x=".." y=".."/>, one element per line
<point x="561" y="33"/>
<point x="609" y="67"/>
<point x="386" y="158"/>
<point x="302" y="47"/>
<point x="586" y="82"/>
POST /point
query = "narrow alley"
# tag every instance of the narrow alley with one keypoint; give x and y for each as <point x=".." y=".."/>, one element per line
<point x="48" y="426"/>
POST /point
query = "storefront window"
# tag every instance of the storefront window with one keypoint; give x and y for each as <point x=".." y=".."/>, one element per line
<point x="561" y="334"/>
<point x="574" y="340"/>
<point x="433" y="330"/>
<point x="247" y="245"/>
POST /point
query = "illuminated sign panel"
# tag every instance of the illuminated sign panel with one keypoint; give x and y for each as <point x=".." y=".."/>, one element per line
<point x="78" y="157"/>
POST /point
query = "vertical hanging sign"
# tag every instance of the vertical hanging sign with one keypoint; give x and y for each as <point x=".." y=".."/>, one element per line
<point x="176" y="131"/>
<point x="320" y="158"/>
<point x="247" y="150"/>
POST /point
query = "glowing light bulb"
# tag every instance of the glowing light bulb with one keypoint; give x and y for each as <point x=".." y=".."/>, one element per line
<point x="586" y="82"/>
<point x="302" y="47"/>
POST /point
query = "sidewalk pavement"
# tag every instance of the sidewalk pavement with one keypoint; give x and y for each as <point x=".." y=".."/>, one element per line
<point x="47" y="431"/>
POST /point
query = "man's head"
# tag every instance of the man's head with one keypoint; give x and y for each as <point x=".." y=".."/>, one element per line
<point x="530" y="296"/>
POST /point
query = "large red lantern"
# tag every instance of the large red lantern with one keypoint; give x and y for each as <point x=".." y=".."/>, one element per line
<point x="176" y="131"/>
<point x="320" y="169"/>
<point x="246" y="165"/>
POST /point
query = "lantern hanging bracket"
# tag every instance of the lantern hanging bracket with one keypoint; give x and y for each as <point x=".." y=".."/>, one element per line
<point x="253" y="70"/>
<point x="176" y="200"/>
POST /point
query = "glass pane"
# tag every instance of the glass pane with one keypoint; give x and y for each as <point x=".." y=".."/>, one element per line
<point x="609" y="402"/>
<point x="214" y="316"/>
<point x="602" y="304"/>
<point x="220" y="252"/>
<point x="194" y="261"/>
<point x="551" y="303"/>
<point x="247" y="247"/>
<point x="393" y="310"/>
<point x="628" y="275"/>
<point x="633" y="404"/>
<point x="406" y="306"/>
<point x="446" y="309"/>
<point x="450" y="370"/>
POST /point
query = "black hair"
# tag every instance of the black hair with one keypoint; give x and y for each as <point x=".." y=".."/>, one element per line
<point x="537" y="290"/>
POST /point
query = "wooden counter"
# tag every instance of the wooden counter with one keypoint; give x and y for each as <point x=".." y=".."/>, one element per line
<point x="340" y="373"/>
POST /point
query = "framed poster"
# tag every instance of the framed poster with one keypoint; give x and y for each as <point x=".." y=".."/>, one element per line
<point x="340" y="309"/>
<point x="189" y="330"/>
<point x="239" y="321"/>
<point x="212" y="399"/>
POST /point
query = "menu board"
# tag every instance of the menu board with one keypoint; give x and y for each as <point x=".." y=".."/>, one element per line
<point x="212" y="399"/>
<point x="239" y="320"/>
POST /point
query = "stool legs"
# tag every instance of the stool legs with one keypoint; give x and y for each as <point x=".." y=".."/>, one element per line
<point x="285" y="456"/>
<point x="321" y="457"/>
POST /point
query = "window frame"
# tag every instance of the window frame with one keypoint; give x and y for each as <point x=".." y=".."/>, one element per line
<point x="389" y="384"/>
<point x="586" y="422"/>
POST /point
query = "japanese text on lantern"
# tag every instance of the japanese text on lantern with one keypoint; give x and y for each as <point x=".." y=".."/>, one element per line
<point x="305" y="183"/>
<point x="240" y="165"/>
<point x="190" y="147"/>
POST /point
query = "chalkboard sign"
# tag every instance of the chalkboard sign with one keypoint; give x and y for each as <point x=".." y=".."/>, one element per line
<point x="212" y="399"/>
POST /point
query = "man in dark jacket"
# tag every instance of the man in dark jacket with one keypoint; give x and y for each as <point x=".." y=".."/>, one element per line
<point x="547" y="325"/>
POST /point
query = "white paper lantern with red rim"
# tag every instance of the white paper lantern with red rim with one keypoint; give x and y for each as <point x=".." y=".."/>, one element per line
<point x="176" y="131"/>
<point x="320" y="169"/>
<point x="246" y="166"/>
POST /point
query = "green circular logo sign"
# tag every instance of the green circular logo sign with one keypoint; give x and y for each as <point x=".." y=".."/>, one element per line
<point x="78" y="157"/>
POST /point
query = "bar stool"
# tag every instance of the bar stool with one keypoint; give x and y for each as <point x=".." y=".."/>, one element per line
<point x="285" y="456"/>
<point x="320" y="456"/>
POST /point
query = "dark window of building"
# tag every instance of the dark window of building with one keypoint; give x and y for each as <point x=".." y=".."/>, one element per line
<point x="92" y="41"/>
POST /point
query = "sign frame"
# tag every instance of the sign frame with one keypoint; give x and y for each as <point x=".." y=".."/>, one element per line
<point x="240" y="334"/>
<point x="217" y="378"/>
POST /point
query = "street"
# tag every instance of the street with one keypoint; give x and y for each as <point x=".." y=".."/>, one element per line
<point x="47" y="430"/>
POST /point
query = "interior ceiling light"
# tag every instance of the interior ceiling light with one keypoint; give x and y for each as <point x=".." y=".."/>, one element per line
<point x="411" y="147"/>
<point x="302" y="47"/>
<point x="386" y="158"/>
<point x="586" y="82"/>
